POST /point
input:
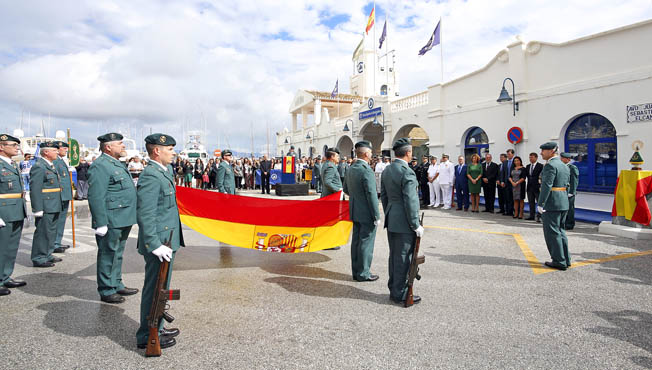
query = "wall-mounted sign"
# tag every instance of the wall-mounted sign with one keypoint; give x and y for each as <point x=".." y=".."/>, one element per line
<point x="639" y="113"/>
<point x="370" y="103"/>
<point x="369" y="113"/>
<point x="515" y="135"/>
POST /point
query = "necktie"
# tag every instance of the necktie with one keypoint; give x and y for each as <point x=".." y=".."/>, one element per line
<point x="531" y="168"/>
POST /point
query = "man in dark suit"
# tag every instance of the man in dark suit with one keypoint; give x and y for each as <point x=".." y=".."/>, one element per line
<point x="461" y="185"/>
<point x="533" y="171"/>
<point x="489" y="177"/>
<point x="508" y="166"/>
<point x="501" y="190"/>
<point x="422" y="176"/>
<point x="265" y="172"/>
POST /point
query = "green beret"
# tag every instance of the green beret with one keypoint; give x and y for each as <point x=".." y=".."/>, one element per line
<point x="548" y="145"/>
<point x="7" y="137"/>
<point x="111" y="136"/>
<point x="61" y="144"/>
<point x="291" y="146"/>
<point x="226" y="152"/>
<point x="363" y="144"/>
<point x="319" y="157"/>
<point x="333" y="150"/>
<point x="160" y="139"/>
<point x="566" y="155"/>
<point x="49" y="144"/>
<point x="404" y="141"/>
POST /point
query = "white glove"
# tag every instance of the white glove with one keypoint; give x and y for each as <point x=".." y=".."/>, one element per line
<point x="570" y="195"/>
<point x="540" y="210"/>
<point x="341" y="194"/>
<point x="38" y="214"/>
<point x="2" y="223"/>
<point x="419" y="231"/>
<point x="377" y="222"/>
<point x="102" y="230"/>
<point x="162" y="253"/>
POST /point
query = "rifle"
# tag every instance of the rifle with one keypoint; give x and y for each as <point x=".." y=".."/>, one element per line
<point x="413" y="273"/>
<point x="159" y="306"/>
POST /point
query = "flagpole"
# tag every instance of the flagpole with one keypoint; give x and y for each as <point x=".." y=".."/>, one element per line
<point x="337" y="83"/>
<point x="386" y="58"/>
<point x="375" y="54"/>
<point x="441" y="51"/>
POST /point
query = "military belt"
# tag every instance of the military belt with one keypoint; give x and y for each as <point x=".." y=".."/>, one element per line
<point x="58" y="190"/>
<point x="11" y="196"/>
<point x="558" y="189"/>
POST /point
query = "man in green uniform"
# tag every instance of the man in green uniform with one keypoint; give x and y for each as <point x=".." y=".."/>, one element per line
<point x="66" y="195"/>
<point x="158" y="215"/>
<point x="360" y="185"/>
<point x="330" y="176"/>
<point x="112" y="202"/>
<point x="553" y="205"/>
<point x="317" y="174"/>
<point x="12" y="212"/>
<point x="225" y="177"/>
<point x="45" y="197"/>
<point x="399" y="194"/>
<point x="569" y="223"/>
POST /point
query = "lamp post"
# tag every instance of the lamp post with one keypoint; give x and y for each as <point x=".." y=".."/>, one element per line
<point x="376" y="123"/>
<point x="310" y="137"/>
<point x="504" y="95"/>
<point x="346" y="126"/>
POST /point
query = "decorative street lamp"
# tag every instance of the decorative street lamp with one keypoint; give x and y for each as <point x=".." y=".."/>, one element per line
<point x="376" y="123"/>
<point x="504" y="95"/>
<point x="308" y="136"/>
<point x="346" y="125"/>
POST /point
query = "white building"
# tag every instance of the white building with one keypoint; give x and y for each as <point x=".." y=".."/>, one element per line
<point x="592" y="95"/>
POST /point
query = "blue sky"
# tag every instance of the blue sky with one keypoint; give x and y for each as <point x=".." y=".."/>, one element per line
<point x="131" y="66"/>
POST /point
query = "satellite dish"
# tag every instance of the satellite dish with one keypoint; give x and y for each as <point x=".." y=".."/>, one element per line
<point x="18" y="133"/>
<point x="60" y="135"/>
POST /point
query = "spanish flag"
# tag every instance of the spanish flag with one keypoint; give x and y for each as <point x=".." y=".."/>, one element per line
<point x="272" y="225"/>
<point x="630" y="196"/>
<point x="372" y="18"/>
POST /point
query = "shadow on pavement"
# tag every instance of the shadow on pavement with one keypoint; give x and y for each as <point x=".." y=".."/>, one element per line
<point x="91" y="319"/>
<point x="631" y="326"/>
<point x="307" y="271"/>
<point x="55" y="284"/>
<point x="466" y="259"/>
<point x="327" y="289"/>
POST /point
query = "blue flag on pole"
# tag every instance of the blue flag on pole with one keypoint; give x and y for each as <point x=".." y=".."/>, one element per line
<point x="434" y="40"/>
<point x="383" y="35"/>
<point x="335" y="90"/>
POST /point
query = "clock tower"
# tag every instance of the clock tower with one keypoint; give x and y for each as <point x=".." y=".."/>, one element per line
<point x="366" y="63"/>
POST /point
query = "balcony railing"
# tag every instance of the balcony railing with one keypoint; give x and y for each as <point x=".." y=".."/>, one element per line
<point x="410" y="102"/>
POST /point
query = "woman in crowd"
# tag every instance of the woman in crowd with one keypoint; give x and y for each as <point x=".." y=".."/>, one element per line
<point x="187" y="173"/>
<point x="474" y="173"/>
<point x="198" y="173"/>
<point x="517" y="179"/>
<point x="237" y="173"/>
<point x="247" y="173"/>
<point x="209" y="170"/>
<point x="177" y="166"/>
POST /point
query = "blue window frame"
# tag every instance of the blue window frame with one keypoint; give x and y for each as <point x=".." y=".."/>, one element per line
<point x="591" y="139"/>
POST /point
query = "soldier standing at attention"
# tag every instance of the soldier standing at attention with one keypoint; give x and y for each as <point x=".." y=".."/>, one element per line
<point x="360" y="185"/>
<point x="66" y="195"/>
<point x="12" y="212"/>
<point x="569" y="223"/>
<point x="112" y="202"/>
<point x="401" y="206"/>
<point x="158" y="215"/>
<point x="317" y="174"/>
<point x="45" y="197"/>
<point x="553" y="206"/>
<point x="225" y="177"/>
<point x="330" y="176"/>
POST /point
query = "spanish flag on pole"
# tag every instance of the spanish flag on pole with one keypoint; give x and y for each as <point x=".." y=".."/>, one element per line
<point x="372" y="18"/>
<point x="272" y="225"/>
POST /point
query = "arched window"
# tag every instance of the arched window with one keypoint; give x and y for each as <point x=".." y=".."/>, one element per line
<point x="383" y="90"/>
<point x="591" y="139"/>
<point x="476" y="142"/>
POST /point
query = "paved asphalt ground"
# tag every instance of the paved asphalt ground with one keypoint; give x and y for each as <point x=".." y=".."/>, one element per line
<point x="487" y="303"/>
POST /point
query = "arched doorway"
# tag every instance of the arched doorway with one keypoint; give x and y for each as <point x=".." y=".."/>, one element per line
<point x="591" y="139"/>
<point x="418" y="138"/>
<point x="345" y="145"/>
<point x="475" y="142"/>
<point x="299" y="153"/>
<point x="373" y="134"/>
<point x="312" y="152"/>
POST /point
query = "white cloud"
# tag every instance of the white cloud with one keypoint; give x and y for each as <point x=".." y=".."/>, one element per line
<point x="136" y="66"/>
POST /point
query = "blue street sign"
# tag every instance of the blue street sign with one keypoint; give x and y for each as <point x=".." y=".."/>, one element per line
<point x="369" y="113"/>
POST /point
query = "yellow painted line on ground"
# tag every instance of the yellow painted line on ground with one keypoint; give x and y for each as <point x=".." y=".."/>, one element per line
<point x="536" y="265"/>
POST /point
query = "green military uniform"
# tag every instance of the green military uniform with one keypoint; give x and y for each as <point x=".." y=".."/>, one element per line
<point x="112" y="202"/>
<point x="158" y="215"/>
<point x="330" y="177"/>
<point x="12" y="213"/>
<point x="225" y="178"/>
<point x="553" y="199"/>
<point x="360" y="185"/>
<point x="66" y="195"/>
<point x="317" y="175"/>
<point x="45" y="195"/>
<point x="569" y="223"/>
<point x="398" y="192"/>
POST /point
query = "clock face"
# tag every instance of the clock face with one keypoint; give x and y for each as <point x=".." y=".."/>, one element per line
<point x="370" y="103"/>
<point x="360" y="67"/>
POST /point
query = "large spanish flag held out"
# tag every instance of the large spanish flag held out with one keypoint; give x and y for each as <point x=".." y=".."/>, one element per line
<point x="272" y="225"/>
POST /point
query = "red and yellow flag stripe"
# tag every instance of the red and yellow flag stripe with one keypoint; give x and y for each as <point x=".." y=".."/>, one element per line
<point x="274" y="225"/>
